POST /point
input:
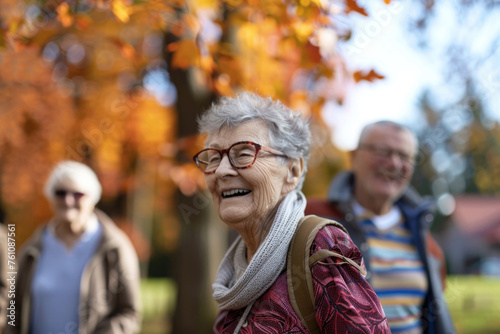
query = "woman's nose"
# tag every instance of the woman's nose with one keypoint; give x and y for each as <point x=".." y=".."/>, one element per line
<point x="225" y="167"/>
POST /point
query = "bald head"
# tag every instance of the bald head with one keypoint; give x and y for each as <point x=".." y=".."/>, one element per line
<point x="387" y="125"/>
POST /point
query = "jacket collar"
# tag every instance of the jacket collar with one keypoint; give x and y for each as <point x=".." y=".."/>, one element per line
<point x="341" y="190"/>
<point x="109" y="240"/>
<point x="109" y="231"/>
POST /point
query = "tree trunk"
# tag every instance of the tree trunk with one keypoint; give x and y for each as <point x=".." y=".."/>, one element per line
<point x="193" y="313"/>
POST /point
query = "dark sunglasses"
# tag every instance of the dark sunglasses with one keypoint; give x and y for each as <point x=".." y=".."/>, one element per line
<point x="61" y="193"/>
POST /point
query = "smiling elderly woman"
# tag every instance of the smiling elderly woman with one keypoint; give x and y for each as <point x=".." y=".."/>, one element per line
<point x="254" y="165"/>
<point x="78" y="273"/>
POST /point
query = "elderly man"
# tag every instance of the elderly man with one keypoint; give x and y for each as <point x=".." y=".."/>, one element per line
<point x="389" y="222"/>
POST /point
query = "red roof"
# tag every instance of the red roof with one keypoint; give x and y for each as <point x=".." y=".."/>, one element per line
<point x="474" y="213"/>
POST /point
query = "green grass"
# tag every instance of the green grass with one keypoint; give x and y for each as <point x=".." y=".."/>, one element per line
<point x="158" y="304"/>
<point x="474" y="303"/>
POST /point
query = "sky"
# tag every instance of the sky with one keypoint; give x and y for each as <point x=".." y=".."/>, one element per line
<point x="382" y="41"/>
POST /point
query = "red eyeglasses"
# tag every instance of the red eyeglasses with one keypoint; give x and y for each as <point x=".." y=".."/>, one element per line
<point x="241" y="155"/>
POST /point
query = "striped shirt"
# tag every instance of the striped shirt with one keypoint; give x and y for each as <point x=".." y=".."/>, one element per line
<point x="398" y="275"/>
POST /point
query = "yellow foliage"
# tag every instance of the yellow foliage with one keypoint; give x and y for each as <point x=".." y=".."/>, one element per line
<point x="92" y="111"/>
<point x="323" y="4"/>
<point x="63" y="15"/>
<point x="233" y="3"/>
<point x="207" y="63"/>
<point x="35" y="122"/>
<point x="298" y="101"/>
<point x="186" y="53"/>
<point x="304" y="3"/>
<point x="303" y="30"/>
<point x="205" y="3"/>
<point x="248" y="35"/>
<point x="120" y="10"/>
<point x="109" y="154"/>
<point x="153" y="126"/>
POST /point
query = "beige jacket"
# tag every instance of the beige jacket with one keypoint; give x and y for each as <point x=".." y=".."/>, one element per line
<point x="109" y="288"/>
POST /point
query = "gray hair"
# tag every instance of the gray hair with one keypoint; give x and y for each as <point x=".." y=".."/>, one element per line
<point x="76" y="173"/>
<point x="387" y="124"/>
<point x="288" y="130"/>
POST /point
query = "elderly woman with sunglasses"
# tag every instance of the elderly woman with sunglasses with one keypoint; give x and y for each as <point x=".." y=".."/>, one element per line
<point x="254" y="165"/>
<point x="78" y="273"/>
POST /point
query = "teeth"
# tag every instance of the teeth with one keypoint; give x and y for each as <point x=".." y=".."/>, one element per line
<point x="234" y="192"/>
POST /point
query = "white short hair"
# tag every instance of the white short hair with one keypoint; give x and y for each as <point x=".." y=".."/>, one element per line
<point x="288" y="131"/>
<point x="77" y="173"/>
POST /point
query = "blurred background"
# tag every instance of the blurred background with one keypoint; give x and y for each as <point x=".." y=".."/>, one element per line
<point x="118" y="84"/>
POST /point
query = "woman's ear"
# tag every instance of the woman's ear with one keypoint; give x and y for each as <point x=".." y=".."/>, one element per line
<point x="295" y="170"/>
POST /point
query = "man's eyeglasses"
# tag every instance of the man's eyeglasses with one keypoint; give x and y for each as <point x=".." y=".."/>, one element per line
<point x="241" y="155"/>
<point x="61" y="193"/>
<point x="386" y="153"/>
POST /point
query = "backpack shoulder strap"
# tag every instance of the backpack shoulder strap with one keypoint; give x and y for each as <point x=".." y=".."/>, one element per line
<point x="299" y="279"/>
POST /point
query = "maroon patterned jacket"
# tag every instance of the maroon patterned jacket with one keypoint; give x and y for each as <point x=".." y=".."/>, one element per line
<point x="345" y="302"/>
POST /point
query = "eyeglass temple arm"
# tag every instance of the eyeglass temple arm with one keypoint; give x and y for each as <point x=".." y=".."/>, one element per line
<point x="273" y="151"/>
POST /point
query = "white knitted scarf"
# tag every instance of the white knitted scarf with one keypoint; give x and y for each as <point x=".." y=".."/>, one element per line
<point x="268" y="262"/>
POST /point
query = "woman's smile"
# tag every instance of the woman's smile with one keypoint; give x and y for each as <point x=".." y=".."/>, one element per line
<point x="235" y="193"/>
<point x="245" y="195"/>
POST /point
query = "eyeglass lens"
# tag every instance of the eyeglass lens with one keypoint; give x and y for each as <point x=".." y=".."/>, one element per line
<point x="240" y="155"/>
<point x="386" y="152"/>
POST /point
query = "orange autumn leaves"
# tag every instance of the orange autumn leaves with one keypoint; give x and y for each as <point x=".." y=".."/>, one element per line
<point x="367" y="76"/>
<point x="71" y="83"/>
<point x="64" y="95"/>
<point x="35" y="119"/>
<point x="263" y="44"/>
<point x="256" y="39"/>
